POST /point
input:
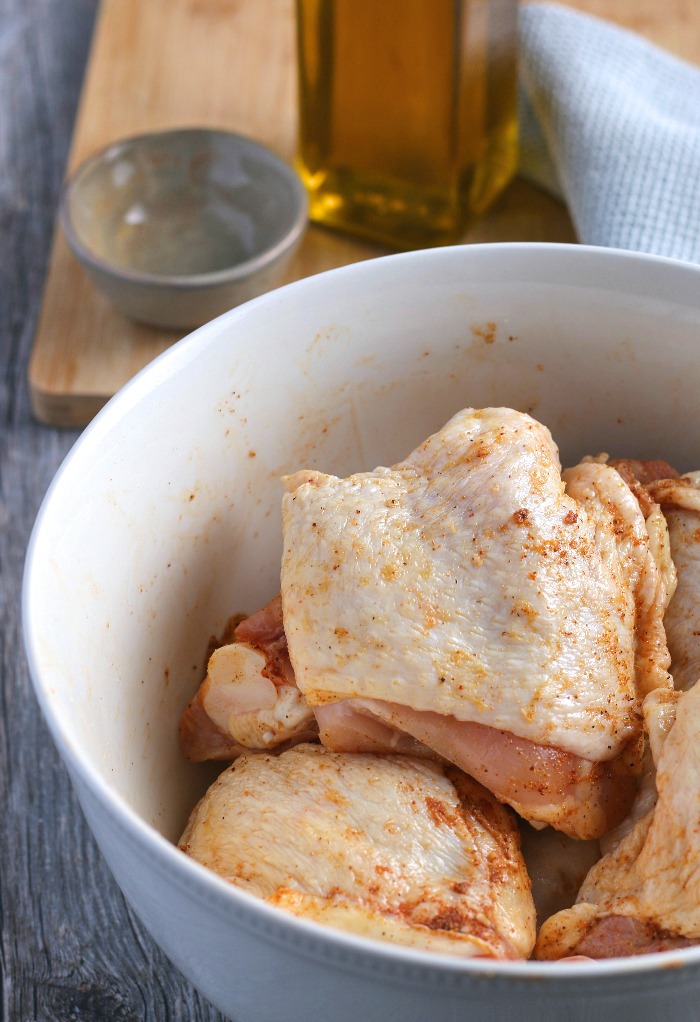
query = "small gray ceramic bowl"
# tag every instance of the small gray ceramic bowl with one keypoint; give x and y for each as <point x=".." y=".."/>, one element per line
<point x="176" y="227"/>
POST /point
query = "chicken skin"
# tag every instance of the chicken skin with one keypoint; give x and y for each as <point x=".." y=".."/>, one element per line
<point x="503" y="618"/>
<point x="645" y="895"/>
<point x="680" y="501"/>
<point x="249" y="699"/>
<point x="387" y="847"/>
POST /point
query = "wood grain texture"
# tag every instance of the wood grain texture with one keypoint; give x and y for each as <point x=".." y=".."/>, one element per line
<point x="673" y="24"/>
<point x="70" y="949"/>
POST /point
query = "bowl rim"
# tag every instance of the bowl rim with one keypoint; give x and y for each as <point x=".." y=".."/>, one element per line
<point x="195" y="281"/>
<point x="310" y="938"/>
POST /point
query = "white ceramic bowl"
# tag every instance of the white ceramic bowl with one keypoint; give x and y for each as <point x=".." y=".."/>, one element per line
<point x="164" y="520"/>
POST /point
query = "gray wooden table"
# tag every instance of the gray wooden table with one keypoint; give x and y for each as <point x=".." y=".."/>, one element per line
<point x="71" y="949"/>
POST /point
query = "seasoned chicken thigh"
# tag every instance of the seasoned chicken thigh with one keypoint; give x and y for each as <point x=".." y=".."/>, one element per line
<point x="384" y="846"/>
<point x="645" y="895"/>
<point x="678" y="498"/>
<point x="467" y="598"/>
<point x="249" y="699"/>
<point x="680" y="501"/>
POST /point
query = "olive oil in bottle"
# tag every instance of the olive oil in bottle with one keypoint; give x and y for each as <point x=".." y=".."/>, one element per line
<point x="408" y="114"/>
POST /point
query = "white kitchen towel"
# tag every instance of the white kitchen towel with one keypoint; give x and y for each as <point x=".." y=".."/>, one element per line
<point x="611" y="123"/>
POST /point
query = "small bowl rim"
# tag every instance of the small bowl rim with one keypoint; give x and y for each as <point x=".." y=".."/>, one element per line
<point x="237" y="271"/>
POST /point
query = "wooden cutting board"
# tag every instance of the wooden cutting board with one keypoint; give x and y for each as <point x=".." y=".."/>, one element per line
<point x="228" y="64"/>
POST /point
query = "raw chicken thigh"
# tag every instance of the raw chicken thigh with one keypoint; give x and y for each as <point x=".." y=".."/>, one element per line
<point x="645" y="895"/>
<point x="680" y="501"/>
<point x="388" y="847"/>
<point x="249" y="699"/>
<point x="472" y="605"/>
<point x="467" y="598"/>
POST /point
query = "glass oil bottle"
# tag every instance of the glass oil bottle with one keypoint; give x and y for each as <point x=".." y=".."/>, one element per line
<point x="408" y="114"/>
